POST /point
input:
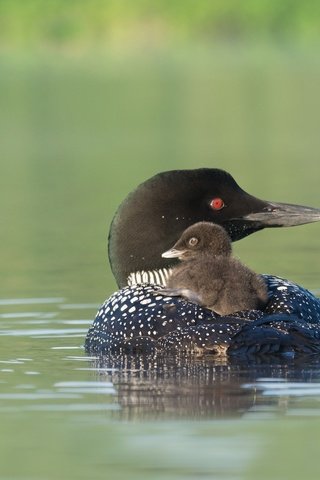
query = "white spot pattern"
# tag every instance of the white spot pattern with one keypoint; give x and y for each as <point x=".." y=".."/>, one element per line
<point x="138" y="319"/>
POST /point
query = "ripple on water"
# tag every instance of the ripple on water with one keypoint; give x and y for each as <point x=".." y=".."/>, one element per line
<point x="48" y="334"/>
<point x="30" y="301"/>
<point x="44" y="332"/>
<point x="280" y="387"/>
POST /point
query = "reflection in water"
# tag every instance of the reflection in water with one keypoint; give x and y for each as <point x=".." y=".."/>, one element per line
<point x="44" y="368"/>
<point x="162" y="387"/>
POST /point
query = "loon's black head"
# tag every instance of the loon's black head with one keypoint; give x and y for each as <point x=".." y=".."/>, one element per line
<point x="151" y="219"/>
<point x="202" y="238"/>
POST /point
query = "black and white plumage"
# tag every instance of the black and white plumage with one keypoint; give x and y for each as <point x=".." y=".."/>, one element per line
<point x="149" y="221"/>
<point x="135" y="319"/>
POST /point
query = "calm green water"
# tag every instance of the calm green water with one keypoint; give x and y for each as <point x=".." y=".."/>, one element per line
<point x="78" y="133"/>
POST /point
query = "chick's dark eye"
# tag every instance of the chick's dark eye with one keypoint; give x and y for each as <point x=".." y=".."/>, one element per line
<point x="217" y="203"/>
<point x="193" y="241"/>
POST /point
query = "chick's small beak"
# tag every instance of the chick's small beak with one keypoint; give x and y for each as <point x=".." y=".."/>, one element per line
<point x="173" y="253"/>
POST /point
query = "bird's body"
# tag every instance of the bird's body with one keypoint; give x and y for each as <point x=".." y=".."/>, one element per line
<point x="147" y="223"/>
<point x="210" y="276"/>
<point x="223" y="285"/>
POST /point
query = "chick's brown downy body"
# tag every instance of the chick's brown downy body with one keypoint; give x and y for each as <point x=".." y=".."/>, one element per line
<point x="210" y="276"/>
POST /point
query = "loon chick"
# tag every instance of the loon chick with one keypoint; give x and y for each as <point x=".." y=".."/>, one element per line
<point x="147" y="223"/>
<point x="208" y="275"/>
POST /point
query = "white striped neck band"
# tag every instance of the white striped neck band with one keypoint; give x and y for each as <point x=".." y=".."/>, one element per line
<point x="158" y="277"/>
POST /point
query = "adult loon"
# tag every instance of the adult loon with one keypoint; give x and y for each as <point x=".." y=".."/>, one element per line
<point x="146" y="224"/>
<point x="209" y="275"/>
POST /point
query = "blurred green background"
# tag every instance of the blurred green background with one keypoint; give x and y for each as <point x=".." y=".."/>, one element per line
<point x="98" y="95"/>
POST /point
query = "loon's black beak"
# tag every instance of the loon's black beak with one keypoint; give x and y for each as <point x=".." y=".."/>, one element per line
<point x="283" y="215"/>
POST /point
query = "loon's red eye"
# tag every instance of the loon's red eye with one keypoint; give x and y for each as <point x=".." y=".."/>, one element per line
<point x="217" y="203"/>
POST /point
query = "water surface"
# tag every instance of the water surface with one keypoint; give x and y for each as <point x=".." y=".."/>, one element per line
<point x="67" y="415"/>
